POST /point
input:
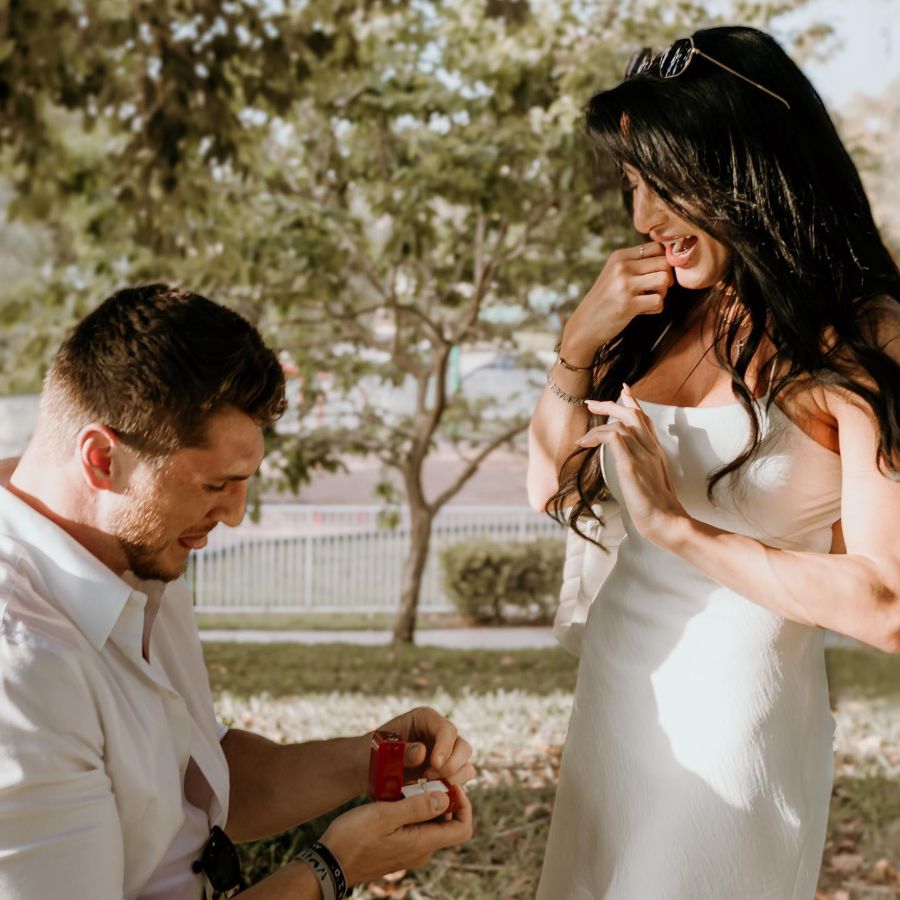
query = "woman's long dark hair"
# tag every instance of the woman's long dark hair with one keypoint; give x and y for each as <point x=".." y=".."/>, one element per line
<point x="778" y="188"/>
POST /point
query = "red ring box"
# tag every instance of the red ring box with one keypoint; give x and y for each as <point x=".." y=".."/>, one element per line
<point x="387" y="771"/>
<point x="386" y="759"/>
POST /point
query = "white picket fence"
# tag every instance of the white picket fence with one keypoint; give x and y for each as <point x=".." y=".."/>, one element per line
<point x="301" y="558"/>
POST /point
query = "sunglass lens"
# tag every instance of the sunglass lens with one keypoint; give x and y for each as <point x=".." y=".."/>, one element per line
<point x="639" y="62"/>
<point x="674" y="61"/>
<point x="220" y="861"/>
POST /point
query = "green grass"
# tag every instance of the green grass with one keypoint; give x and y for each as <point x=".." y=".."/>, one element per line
<point x="503" y="860"/>
<point x="289" y="669"/>
<point x="862" y="673"/>
<point x="259" y="621"/>
<point x="285" y="669"/>
<point x="864" y="820"/>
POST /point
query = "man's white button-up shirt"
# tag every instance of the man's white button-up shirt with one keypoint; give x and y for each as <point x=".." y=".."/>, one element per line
<point x="95" y="740"/>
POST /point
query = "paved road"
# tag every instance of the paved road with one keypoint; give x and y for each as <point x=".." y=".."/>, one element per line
<point x="461" y="638"/>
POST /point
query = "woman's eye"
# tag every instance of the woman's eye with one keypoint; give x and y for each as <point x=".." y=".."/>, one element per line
<point x="215" y="487"/>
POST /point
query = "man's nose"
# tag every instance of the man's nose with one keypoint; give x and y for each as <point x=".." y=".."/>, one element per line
<point x="232" y="504"/>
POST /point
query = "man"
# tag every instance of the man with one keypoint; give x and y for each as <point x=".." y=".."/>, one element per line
<point x="112" y="766"/>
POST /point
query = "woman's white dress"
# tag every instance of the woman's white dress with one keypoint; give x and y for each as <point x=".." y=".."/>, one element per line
<point x="698" y="763"/>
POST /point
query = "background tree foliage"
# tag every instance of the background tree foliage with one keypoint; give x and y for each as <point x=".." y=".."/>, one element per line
<point x="373" y="183"/>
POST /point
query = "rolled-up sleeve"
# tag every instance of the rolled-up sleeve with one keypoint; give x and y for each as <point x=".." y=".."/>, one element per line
<point x="60" y="834"/>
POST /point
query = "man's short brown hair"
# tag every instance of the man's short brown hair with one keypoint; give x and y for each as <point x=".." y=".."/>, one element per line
<point x="153" y="362"/>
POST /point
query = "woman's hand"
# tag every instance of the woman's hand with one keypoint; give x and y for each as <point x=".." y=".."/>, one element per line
<point x="633" y="282"/>
<point x="435" y="749"/>
<point x="641" y="465"/>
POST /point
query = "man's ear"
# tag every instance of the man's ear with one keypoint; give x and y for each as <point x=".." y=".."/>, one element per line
<point x="99" y="449"/>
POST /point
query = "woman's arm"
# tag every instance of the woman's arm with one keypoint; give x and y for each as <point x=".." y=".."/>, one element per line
<point x="633" y="282"/>
<point x="856" y="592"/>
<point x="555" y="427"/>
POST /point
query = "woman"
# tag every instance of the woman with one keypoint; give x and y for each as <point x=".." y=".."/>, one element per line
<point x="733" y="382"/>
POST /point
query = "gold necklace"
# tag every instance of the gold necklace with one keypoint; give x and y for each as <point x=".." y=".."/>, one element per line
<point x="740" y="341"/>
<point x="728" y="293"/>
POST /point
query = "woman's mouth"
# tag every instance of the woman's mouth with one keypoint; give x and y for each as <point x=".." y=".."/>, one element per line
<point x="679" y="251"/>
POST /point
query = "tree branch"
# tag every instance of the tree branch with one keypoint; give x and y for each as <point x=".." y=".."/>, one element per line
<point x="317" y="310"/>
<point x="363" y="263"/>
<point x="472" y="467"/>
<point x="485" y="271"/>
<point x="427" y="321"/>
<point x="483" y="276"/>
<point x="427" y="421"/>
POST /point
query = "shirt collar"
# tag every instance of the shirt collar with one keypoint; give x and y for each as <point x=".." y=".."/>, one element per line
<point x="90" y="593"/>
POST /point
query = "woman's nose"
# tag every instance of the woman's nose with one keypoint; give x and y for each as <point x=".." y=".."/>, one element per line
<point x="648" y="211"/>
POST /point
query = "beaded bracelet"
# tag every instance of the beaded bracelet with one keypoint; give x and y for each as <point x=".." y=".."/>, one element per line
<point x="569" y="398"/>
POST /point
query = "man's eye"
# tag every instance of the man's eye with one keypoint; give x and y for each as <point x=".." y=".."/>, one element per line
<point x="215" y="487"/>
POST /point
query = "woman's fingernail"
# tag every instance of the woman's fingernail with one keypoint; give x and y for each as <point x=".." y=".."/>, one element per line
<point x="438" y="760"/>
<point x="626" y="388"/>
<point x="583" y="441"/>
<point x="439" y="800"/>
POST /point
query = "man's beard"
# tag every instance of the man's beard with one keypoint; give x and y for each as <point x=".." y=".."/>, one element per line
<point x="140" y="532"/>
<point x="143" y="560"/>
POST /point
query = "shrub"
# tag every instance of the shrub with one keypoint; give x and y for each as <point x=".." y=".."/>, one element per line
<point x="493" y="581"/>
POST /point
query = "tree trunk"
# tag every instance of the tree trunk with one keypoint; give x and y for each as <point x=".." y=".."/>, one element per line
<point x="420" y="541"/>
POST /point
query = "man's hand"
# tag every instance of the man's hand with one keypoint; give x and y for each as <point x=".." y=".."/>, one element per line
<point x="276" y="786"/>
<point x="435" y="749"/>
<point x="378" y="838"/>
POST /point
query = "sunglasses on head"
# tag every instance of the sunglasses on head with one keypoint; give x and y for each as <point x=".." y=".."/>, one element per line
<point x="220" y="863"/>
<point x="674" y="60"/>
